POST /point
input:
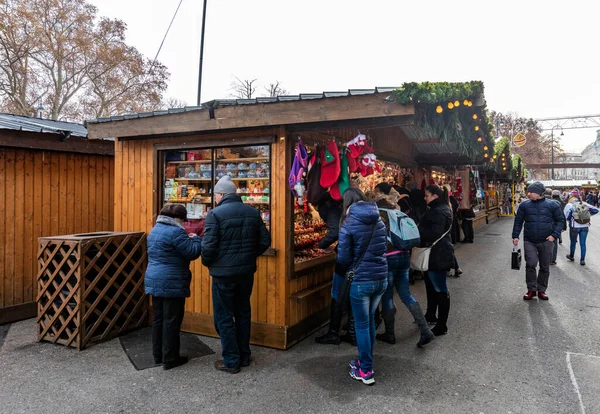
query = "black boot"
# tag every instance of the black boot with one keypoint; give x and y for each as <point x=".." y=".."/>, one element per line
<point x="350" y="335"/>
<point x="332" y="337"/>
<point x="426" y="334"/>
<point x="430" y="315"/>
<point x="440" y="327"/>
<point x="389" y="319"/>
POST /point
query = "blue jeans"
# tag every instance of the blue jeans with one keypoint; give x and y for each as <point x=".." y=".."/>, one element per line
<point x="582" y="233"/>
<point x="232" y="315"/>
<point x="364" y="298"/>
<point x="398" y="276"/>
<point x="438" y="280"/>
<point x="338" y="280"/>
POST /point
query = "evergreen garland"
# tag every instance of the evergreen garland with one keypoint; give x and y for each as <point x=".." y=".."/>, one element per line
<point x="450" y="112"/>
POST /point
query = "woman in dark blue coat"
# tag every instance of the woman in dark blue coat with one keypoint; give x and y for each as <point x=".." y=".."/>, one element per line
<point x="361" y="248"/>
<point x="168" y="276"/>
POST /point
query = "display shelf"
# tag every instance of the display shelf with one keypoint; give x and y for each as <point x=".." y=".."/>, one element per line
<point x="317" y="261"/>
<point x="190" y="162"/>
<point x="206" y="180"/>
<point x="250" y="179"/>
<point x="256" y="202"/>
<point x="186" y="200"/>
<point x="241" y="159"/>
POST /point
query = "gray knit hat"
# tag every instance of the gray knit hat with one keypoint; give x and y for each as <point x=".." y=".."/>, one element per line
<point x="537" y="188"/>
<point x="225" y="186"/>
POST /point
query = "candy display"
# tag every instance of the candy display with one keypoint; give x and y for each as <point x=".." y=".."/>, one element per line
<point x="189" y="178"/>
<point x="308" y="230"/>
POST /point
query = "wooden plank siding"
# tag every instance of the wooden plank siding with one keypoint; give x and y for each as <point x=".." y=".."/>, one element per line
<point x="136" y="205"/>
<point x="45" y="193"/>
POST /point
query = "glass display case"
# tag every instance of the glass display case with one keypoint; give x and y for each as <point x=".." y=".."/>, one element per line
<point x="189" y="178"/>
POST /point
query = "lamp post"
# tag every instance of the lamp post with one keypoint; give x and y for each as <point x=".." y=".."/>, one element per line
<point x="552" y="134"/>
<point x="201" y="54"/>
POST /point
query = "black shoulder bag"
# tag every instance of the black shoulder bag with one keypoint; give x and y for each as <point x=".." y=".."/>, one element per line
<point x="345" y="288"/>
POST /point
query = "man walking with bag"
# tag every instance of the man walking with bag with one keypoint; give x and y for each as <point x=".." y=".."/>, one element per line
<point x="578" y="213"/>
<point x="234" y="236"/>
<point x="543" y="221"/>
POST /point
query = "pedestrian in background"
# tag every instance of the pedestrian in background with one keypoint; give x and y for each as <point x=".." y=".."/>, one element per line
<point x="435" y="226"/>
<point x="542" y="221"/>
<point x="167" y="280"/>
<point x="556" y="196"/>
<point x="361" y="250"/>
<point x="234" y="236"/>
<point x="578" y="213"/>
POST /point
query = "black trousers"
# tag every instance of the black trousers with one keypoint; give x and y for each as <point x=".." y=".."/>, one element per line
<point x="467" y="226"/>
<point x="232" y="316"/>
<point x="166" y="324"/>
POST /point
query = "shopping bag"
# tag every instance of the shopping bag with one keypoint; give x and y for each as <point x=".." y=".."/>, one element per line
<point x="419" y="258"/>
<point x="516" y="259"/>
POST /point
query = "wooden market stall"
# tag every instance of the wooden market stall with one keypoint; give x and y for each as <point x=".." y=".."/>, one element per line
<point x="178" y="155"/>
<point x="53" y="181"/>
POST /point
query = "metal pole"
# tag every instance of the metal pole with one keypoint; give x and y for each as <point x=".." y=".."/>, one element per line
<point x="552" y="153"/>
<point x="201" y="53"/>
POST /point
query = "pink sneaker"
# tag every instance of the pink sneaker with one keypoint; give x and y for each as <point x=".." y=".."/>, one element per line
<point x="368" y="378"/>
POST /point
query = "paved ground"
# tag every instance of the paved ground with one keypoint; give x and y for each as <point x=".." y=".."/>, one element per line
<point x="502" y="355"/>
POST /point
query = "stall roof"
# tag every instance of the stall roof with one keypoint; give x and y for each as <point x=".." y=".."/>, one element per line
<point x="234" y="102"/>
<point x="567" y="183"/>
<point x="30" y="124"/>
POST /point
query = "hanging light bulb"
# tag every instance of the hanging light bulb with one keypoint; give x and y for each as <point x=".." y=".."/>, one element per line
<point x="476" y="128"/>
<point x="466" y="102"/>
<point x="456" y="103"/>
<point x="474" y="116"/>
<point x="439" y="109"/>
<point x="479" y="139"/>
<point x="485" y="155"/>
<point x="485" y="148"/>
<point x="450" y="105"/>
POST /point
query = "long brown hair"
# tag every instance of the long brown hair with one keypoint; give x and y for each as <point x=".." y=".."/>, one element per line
<point x="351" y="196"/>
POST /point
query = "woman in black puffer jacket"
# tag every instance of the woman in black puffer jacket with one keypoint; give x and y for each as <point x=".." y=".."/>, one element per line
<point x="434" y="225"/>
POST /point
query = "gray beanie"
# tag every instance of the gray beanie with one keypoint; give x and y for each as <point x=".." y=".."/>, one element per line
<point x="225" y="186"/>
<point x="555" y="192"/>
<point x="537" y="188"/>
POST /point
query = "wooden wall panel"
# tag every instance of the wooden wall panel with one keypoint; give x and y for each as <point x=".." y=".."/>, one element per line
<point x="136" y="201"/>
<point x="46" y="193"/>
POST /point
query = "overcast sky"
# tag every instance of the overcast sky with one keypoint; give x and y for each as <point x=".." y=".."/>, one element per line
<point x="535" y="58"/>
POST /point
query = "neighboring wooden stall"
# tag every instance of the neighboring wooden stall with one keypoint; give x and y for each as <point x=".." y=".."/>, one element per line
<point x="178" y="156"/>
<point x="53" y="181"/>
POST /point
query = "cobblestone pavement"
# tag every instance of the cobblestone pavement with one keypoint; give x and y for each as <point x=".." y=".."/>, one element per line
<point x="501" y="355"/>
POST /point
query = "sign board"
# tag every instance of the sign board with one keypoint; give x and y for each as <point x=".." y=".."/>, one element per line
<point x="519" y="140"/>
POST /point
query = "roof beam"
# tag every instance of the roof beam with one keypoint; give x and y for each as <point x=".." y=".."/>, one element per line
<point x="563" y="165"/>
<point x="52" y="142"/>
<point x="257" y="115"/>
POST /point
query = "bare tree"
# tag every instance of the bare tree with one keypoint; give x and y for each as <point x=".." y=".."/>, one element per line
<point x="78" y="62"/>
<point x="275" y="89"/>
<point x="172" y="102"/>
<point x="243" y="89"/>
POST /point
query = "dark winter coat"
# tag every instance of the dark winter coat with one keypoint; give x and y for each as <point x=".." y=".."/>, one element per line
<point x="354" y="240"/>
<point x="330" y="212"/>
<point x="418" y="204"/>
<point x="435" y="222"/>
<point x="542" y="218"/>
<point x="170" y="251"/>
<point x="234" y="236"/>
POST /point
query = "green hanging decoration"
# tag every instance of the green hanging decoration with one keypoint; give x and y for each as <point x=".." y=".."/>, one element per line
<point x="452" y="112"/>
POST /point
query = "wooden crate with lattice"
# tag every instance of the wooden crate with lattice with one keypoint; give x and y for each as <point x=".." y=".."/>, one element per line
<point x="90" y="287"/>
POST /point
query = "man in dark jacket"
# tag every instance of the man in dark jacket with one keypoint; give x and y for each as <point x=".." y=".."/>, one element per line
<point x="234" y="236"/>
<point x="543" y="222"/>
